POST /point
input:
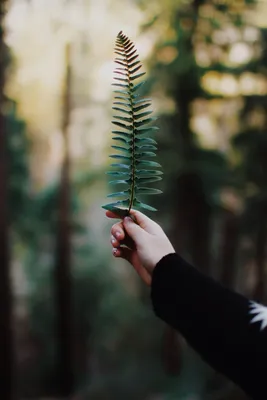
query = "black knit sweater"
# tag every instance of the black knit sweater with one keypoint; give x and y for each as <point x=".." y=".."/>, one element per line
<point x="226" y="329"/>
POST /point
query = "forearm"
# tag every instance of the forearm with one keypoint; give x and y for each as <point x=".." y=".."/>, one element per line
<point x="214" y="320"/>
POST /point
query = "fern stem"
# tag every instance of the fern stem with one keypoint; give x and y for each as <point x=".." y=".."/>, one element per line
<point x="133" y="155"/>
<point x="133" y="127"/>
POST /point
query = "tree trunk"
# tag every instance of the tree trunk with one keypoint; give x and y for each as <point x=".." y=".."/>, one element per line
<point x="171" y="351"/>
<point x="191" y="211"/>
<point x="192" y="220"/>
<point x="7" y="383"/>
<point x="260" y="249"/>
<point x="230" y="231"/>
<point x="64" y="303"/>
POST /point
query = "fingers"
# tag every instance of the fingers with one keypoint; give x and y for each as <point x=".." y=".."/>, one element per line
<point x="117" y="231"/>
<point x="145" y="222"/>
<point x="122" y="252"/>
<point x="110" y="214"/>
<point x="128" y="242"/>
<point x="142" y="220"/>
<point x="120" y="237"/>
<point x="126" y="232"/>
<point x="136" y="233"/>
<point x="114" y="242"/>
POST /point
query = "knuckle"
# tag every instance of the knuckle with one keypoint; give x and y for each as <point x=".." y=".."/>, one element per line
<point x="114" y="228"/>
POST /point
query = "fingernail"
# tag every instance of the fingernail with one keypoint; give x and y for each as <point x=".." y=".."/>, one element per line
<point x="128" y="219"/>
<point x="113" y="240"/>
<point x="114" y="251"/>
<point x="117" y="235"/>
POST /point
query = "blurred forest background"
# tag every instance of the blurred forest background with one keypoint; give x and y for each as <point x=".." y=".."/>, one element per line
<point x="75" y="323"/>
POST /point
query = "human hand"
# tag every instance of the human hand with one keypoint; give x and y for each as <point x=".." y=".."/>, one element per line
<point x="143" y="244"/>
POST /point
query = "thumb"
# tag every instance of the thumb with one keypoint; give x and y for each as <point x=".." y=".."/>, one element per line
<point x="133" y="230"/>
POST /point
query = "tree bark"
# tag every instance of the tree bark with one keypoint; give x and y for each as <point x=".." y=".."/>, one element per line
<point x="63" y="287"/>
<point x="7" y="383"/>
<point x="260" y="256"/>
<point x="171" y="351"/>
<point x="190" y="209"/>
<point x="230" y="233"/>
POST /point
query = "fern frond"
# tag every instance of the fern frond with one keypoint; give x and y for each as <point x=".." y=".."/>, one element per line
<point x="133" y="169"/>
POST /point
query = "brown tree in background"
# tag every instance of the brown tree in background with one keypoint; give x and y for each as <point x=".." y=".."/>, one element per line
<point x="228" y="248"/>
<point x="63" y="292"/>
<point x="191" y="211"/>
<point x="6" y="331"/>
<point x="260" y="256"/>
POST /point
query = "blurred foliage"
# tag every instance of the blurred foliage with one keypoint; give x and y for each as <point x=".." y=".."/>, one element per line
<point x="176" y="72"/>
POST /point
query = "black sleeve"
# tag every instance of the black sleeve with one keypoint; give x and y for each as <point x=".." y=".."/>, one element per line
<point x="226" y="329"/>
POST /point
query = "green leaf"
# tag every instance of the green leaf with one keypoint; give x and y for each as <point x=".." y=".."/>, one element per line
<point x="124" y="149"/>
<point x="144" y="148"/>
<point x="121" y="110"/>
<point x="125" y="119"/>
<point x="141" y="101"/>
<point x="130" y="54"/>
<point x="120" y="139"/>
<point x="118" y="42"/>
<point x="118" y="69"/>
<point x="143" y="131"/>
<point x="121" y="63"/>
<point x="120" y="85"/>
<point x="148" y="180"/>
<point x="120" y="53"/>
<point x="123" y="135"/>
<point x="129" y="134"/>
<point x="145" y="190"/>
<point x="121" y="70"/>
<point x="118" y="173"/>
<point x="118" y="165"/>
<point x="132" y="65"/>
<point x="119" y="194"/>
<point x="133" y="78"/>
<point x="118" y="211"/>
<point x="129" y="48"/>
<point x="145" y="140"/>
<point x="144" y="114"/>
<point x="147" y="163"/>
<point x="128" y="105"/>
<point x="121" y="60"/>
<point x="146" y="133"/>
<point x="118" y="47"/>
<point x="122" y="92"/>
<point x="118" y="78"/>
<point x="119" y="182"/>
<point x="118" y="203"/>
<point x="121" y="79"/>
<point x="144" y="172"/>
<point x="132" y="59"/>
<point x="135" y="69"/>
<point x="146" y="154"/>
<point x="119" y="157"/>
<point x="121" y="125"/>
<point x="145" y="121"/>
<point x="139" y="108"/>
<point x="136" y="87"/>
<point x="139" y="205"/>
<point x="122" y="98"/>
